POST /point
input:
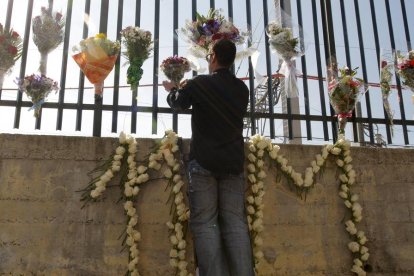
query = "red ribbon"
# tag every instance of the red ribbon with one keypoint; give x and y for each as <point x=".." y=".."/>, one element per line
<point x="344" y="115"/>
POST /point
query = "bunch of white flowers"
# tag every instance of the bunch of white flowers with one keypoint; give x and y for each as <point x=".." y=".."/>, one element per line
<point x="181" y="213"/>
<point x="256" y="176"/>
<point x="100" y="185"/>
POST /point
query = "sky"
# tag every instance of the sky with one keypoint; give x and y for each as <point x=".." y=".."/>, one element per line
<point x="167" y="36"/>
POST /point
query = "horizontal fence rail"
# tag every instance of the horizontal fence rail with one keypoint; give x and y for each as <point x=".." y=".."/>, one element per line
<point x="346" y="30"/>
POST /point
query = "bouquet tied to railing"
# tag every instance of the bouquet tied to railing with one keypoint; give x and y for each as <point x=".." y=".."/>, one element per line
<point x="37" y="88"/>
<point x="288" y="47"/>
<point x="10" y="51"/>
<point x="344" y="90"/>
<point x="405" y="69"/>
<point x="96" y="58"/>
<point x="138" y="44"/>
<point x="48" y="34"/>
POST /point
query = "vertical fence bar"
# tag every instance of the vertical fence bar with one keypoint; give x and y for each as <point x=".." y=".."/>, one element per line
<point x="319" y="70"/>
<point x="23" y="62"/>
<point x="269" y="72"/>
<point x="7" y="24"/>
<point x="81" y="75"/>
<point x="117" y="69"/>
<point x="377" y="51"/>
<point x="64" y="66"/>
<point x="305" y="74"/>
<point x="8" y="15"/>
<point x="330" y="48"/>
<point x="194" y="17"/>
<point x="287" y="11"/>
<point x="401" y="101"/>
<point x="364" y="70"/>
<point x="156" y="65"/>
<point x="175" y="52"/>
<point x="230" y="7"/>
<point x="406" y="30"/>
<point x="251" y="72"/>
<point x="134" y="106"/>
<point x="212" y="4"/>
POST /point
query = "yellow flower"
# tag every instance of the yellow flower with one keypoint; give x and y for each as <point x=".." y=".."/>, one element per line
<point x="100" y="35"/>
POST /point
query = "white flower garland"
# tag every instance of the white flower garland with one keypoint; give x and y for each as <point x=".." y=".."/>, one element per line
<point x="341" y="149"/>
<point x="180" y="212"/>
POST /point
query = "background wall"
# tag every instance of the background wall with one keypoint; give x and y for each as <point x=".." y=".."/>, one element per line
<point x="43" y="230"/>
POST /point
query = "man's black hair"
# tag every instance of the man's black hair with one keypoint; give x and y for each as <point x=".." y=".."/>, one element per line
<point x="225" y="52"/>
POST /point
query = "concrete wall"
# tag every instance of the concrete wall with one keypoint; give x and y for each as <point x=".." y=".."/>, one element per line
<point x="43" y="231"/>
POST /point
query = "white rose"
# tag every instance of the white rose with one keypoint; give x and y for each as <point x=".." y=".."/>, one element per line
<point x="117" y="157"/>
<point x="252" y="148"/>
<point x="348" y="203"/>
<point x="168" y="173"/>
<point x="251" y="168"/>
<point x="175" y="148"/>
<point x="336" y="151"/>
<point x="353" y="246"/>
<point x="120" y="150"/>
<point x="135" y="190"/>
<point x="128" y="191"/>
<point x="260" y="184"/>
<point x="261" y="175"/>
<point x="340" y="163"/>
<point x="262" y="144"/>
<point x="348" y="159"/>
<point x="142" y="169"/>
<point x="259" y="213"/>
<point x="255" y="188"/>
<point x="363" y="250"/>
<point x="173" y="240"/>
<point x="354" y="198"/>
<point x="273" y="153"/>
<point x="251" y="178"/>
<point x="343" y="194"/>
<point x="115" y="168"/>
<point x="176" y="167"/>
<point x="177" y="178"/>
<point x="260" y="163"/>
<point x="182" y="244"/>
<point x="181" y="254"/>
<point x="348" y="167"/>
<point x="154" y="165"/>
<point x="182" y="265"/>
<point x="133" y="221"/>
<point x="122" y="138"/>
<point x="352" y="173"/>
<point x="250" y="209"/>
<point x="258" y="254"/>
<point x="358" y="262"/>
<point x="343" y="178"/>
<point x="95" y="194"/>
<point x="173" y="262"/>
<point x="250" y="199"/>
<point x="258" y="200"/>
<point x="173" y="253"/>
<point x="362" y="240"/>
<point x="365" y="257"/>
<point x="258" y="241"/>
<point x="170" y="225"/>
<point x="137" y="236"/>
<point x="251" y="157"/>
<point x="260" y="153"/>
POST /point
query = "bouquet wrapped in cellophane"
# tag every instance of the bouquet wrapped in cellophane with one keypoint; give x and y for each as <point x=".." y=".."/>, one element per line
<point x="10" y="51"/>
<point x="138" y="43"/>
<point x="405" y="70"/>
<point x="37" y="88"/>
<point x="386" y="73"/>
<point x="174" y="68"/>
<point x="344" y="90"/>
<point x="288" y="47"/>
<point x="206" y="30"/>
<point x="96" y="58"/>
<point x="48" y="34"/>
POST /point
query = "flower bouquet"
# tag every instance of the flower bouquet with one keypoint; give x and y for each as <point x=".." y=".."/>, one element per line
<point x="385" y="84"/>
<point x="10" y="51"/>
<point x="288" y="47"/>
<point x="37" y="88"/>
<point x="174" y="68"/>
<point x="405" y="70"/>
<point x="344" y="91"/>
<point x="138" y="43"/>
<point x="206" y="30"/>
<point x="47" y="34"/>
<point x="96" y="58"/>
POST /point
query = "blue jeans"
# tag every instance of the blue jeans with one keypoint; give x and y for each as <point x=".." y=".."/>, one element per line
<point x="218" y="222"/>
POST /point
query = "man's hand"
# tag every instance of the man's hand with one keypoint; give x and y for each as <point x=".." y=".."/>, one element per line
<point x="168" y="85"/>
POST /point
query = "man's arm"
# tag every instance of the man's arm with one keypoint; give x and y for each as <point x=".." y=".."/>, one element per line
<point x="178" y="99"/>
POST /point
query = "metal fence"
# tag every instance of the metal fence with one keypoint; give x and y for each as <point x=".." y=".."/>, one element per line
<point x="352" y="31"/>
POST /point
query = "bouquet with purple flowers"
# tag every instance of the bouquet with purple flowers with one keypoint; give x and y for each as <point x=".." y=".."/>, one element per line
<point x="37" y="88"/>
<point x="206" y="30"/>
<point x="10" y="50"/>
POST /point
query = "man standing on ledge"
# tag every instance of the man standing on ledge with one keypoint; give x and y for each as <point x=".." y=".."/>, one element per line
<point x="216" y="179"/>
